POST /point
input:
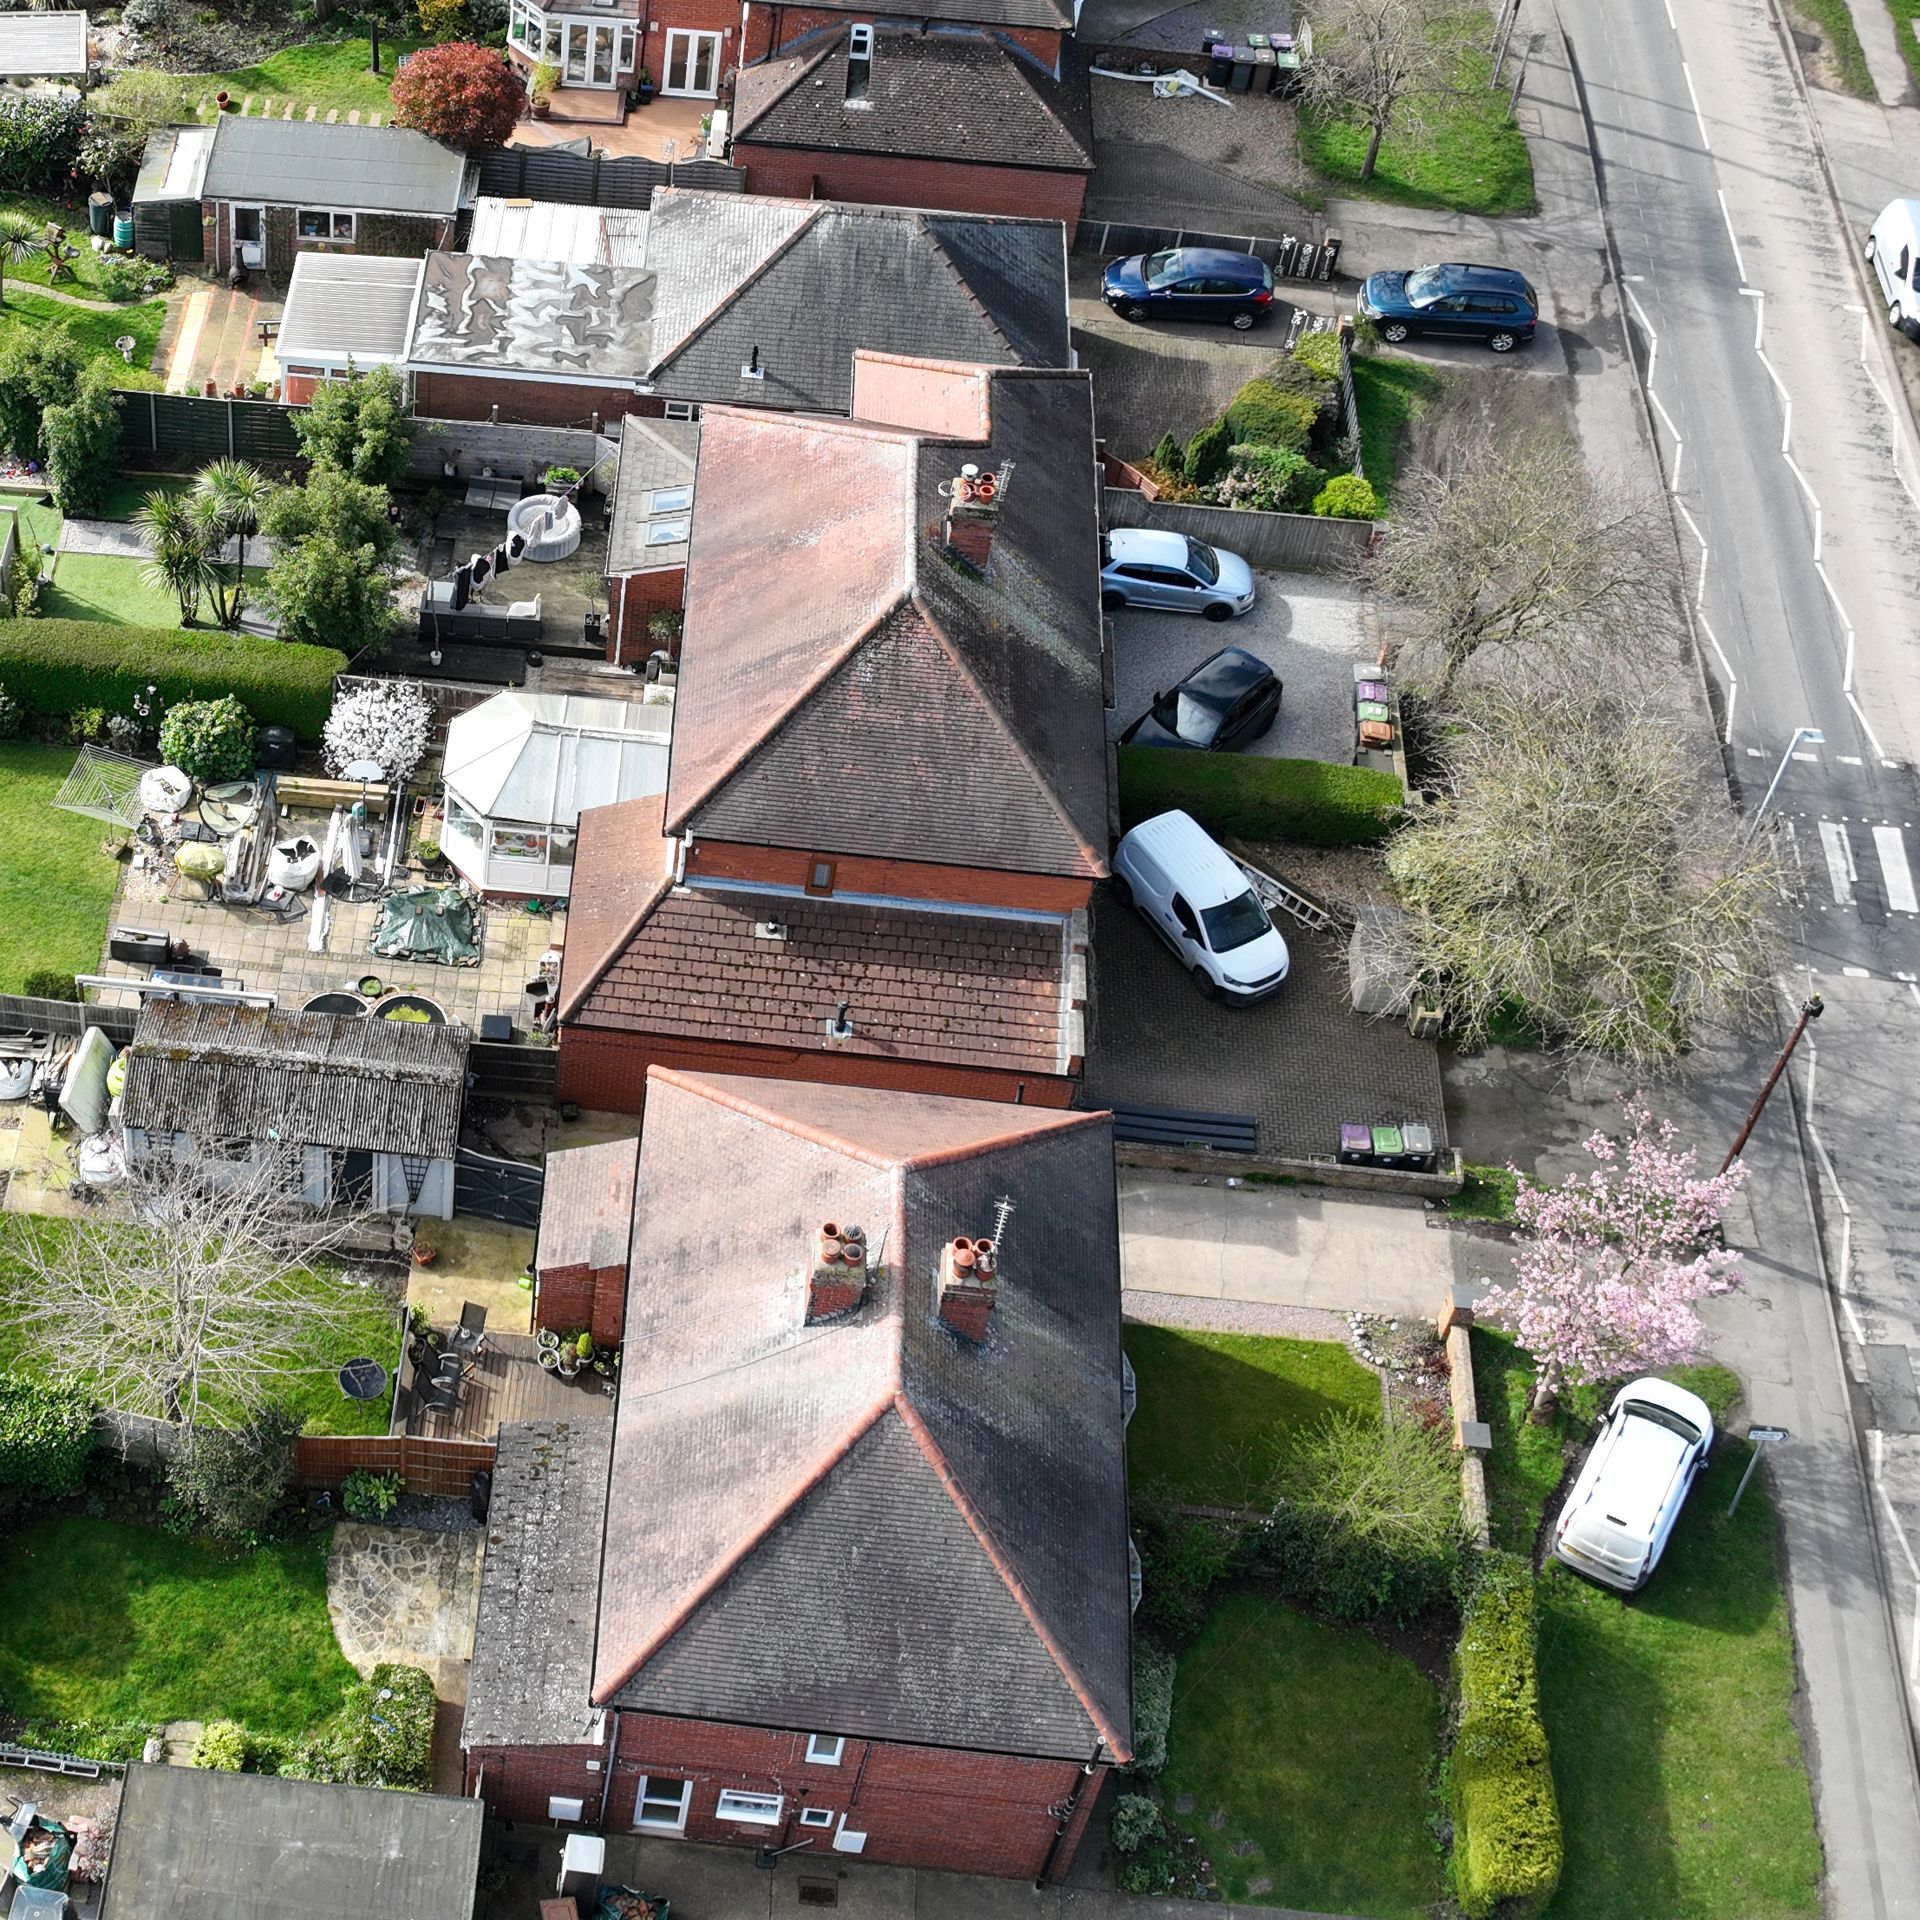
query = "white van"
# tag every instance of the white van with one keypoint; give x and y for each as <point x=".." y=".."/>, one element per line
<point x="1893" y="250"/>
<point x="1201" y="905"/>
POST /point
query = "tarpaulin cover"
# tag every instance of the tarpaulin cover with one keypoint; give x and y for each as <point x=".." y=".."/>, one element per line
<point x="40" y="1857"/>
<point x="434" y="924"/>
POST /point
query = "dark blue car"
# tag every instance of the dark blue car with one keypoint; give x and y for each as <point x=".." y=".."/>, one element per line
<point x="1453" y="302"/>
<point x="1190" y="283"/>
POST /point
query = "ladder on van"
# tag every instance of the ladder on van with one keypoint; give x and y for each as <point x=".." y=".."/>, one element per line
<point x="1277" y="896"/>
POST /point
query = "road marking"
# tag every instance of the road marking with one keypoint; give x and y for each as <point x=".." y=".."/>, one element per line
<point x="1866" y="727"/>
<point x="1740" y="266"/>
<point x="1858" y="973"/>
<point x="1840" y="870"/>
<point x="1891" y="846"/>
<point x="1697" y="114"/>
<point x="1679" y="445"/>
<point x="1754" y="753"/>
<point x="1806" y="756"/>
<point x="1848" y="759"/>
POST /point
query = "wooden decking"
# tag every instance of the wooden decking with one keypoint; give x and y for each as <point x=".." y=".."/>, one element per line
<point x="508" y="1384"/>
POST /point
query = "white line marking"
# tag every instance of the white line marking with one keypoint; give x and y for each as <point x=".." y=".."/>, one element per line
<point x="1839" y="851"/>
<point x="1849" y="759"/>
<point x="1891" y="846"/>
<point x="1858" y="973"/>
<point x="1754" y="753"/>
<point x="1866" y="727"/>
<point x="1839" y="1194"/>
<point x="1806" y="756"/>
<point x="1740" y="266"/>
<point x="1679" y="445"/>
<point x="1697" y="114"/>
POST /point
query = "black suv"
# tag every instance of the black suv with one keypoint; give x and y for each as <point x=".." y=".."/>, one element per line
<point x="1453" y="302"/>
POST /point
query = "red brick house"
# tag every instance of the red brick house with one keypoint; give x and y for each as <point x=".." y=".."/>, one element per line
<point x="887" y="798"/>
<point x="853" y="1574"/>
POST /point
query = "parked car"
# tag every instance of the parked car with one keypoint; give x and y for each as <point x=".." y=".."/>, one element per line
<point x="1190" y="283"/>
<point x="1620" y="1514"/>
<point x="1229" y="700"/>
<point x="1202" y="905"/>
<point x="1453" y="302"/>
<point x="1152" y="567"/>
<point x="1893" y="250"/>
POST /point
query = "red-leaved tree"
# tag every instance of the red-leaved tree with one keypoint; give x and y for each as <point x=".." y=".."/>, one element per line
<point x="467" y="96"/>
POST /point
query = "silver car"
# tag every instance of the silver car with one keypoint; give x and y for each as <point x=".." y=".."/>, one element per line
<point x="1152" y="567"/>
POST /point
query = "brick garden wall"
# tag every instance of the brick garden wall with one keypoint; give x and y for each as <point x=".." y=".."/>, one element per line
<point x="634" y="596"/>
<point x="879" y="180"/>
<point x="579" y="1296"/>
<point x="427" y="1465"/>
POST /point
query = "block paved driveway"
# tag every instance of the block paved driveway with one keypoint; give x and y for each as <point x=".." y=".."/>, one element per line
<point x="1301" y="1062"/>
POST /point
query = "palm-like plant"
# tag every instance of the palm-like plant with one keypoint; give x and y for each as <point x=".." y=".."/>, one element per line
<point x="20" y="239"/>
<point x="226" y="505"/>
<point x="179" y="562"/>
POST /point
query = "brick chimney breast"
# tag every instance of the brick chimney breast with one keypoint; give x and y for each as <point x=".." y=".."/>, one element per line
<point x="836" y="1271"/>
<point x="969" y="1279"/>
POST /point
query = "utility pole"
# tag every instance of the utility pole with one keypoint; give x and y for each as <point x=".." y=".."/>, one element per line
<point x="1810" y="1009"/>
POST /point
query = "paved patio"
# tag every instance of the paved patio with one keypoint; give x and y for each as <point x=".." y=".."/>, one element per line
<point x="212" y="332"/>
<point x="400" y="1593"/>
<point x="664" y="129"/>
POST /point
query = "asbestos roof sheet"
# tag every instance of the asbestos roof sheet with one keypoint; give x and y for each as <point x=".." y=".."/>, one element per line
<point x="343" y="306"/>
<point x="42" y="45"/>
<point x="534" y="316"/>
<point x="541" y="758"/>
<point x="309" y="163"/>
<point x="547" y="230"/>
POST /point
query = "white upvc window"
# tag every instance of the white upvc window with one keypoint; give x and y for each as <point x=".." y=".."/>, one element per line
<point x="683" y="410"/>
<point x="526" y="26"/>
<point x="662" y="1804"/>
<point x="749" y="1809"/>
<point x="816" y="1816"/>
<point x="825" y="1749"/>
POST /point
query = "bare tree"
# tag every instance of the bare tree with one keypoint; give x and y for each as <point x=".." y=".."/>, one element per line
<point x="1376" y="62"/>
<point x="188" y="1292"/>
<point x="1502" y="541"/>
<point x="1585" y="877"/>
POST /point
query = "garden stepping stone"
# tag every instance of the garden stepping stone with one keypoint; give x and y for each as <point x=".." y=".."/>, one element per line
<point x="1184" y="1803"/>
<point x="353" y="118"/>
<point x="1259" y="1884"/>
<point x="313" y="113"/>
<point x="373" y="119"/>
<point x="1242" y="1849"/>
<point x="333" y="116"/>
<point x="246" y="106"/>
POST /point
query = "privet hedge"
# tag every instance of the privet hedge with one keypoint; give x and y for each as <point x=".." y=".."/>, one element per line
<point x="56" y="666"/>
<point x="1314" y="801"/>
<point x="46" y="1433"/>
<point x="1506" y="1821"/>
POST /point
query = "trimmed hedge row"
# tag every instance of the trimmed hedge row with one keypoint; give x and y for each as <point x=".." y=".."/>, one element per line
<point x="46" y="1433"/>
<point x="1506" y="1821"/>
<point x="1315" y="801"/>
<point x="57" y="666"/>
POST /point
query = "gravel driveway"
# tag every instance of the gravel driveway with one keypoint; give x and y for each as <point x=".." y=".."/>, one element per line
<point x="1308" y="627"/>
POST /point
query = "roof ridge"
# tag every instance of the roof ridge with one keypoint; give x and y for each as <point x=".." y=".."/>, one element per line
<point x="925" y="222"/>
<point x="779" y="251"/>
<point x="909" y="1414"/>
<point x="806" y="62"/>
<point x="1060" y="1120"/>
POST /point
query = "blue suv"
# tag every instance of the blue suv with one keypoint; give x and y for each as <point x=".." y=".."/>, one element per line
<point x="1190" y="283"/>
<point x="1453" y="302"/>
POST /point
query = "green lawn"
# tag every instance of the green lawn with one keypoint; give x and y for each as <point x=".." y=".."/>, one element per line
<point x="1469" y="157"/>
<point x="1215" y="1408"/>
<point x="1486" y="1195"/>
<point x="1389" y="392"/>
<point x="105" y="586"/>
<point x="1316" y="1743"/>
<point x="104" y="1621"/>
<point x="56" y="886"/>
<point x="25" y="310"/>
<point x="327" y="74"/>
<point x="308" y="1383"/>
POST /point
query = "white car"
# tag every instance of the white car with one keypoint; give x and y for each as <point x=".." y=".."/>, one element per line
<point x="1618" y="1518"/>
<point x="1152" y="567"/>
<point x="1893" y="251"/>
<point x="1194" y="897"/>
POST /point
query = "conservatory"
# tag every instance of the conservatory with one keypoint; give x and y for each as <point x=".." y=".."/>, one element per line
<point x="520" y="769"/>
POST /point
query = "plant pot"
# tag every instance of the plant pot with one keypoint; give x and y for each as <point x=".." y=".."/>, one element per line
<point x="424" y="1256"/>
<point x="547" y="1340"/>
<point x="223" y="99"/>
<point x="549" y="1359"/>
<point x="542" y="108"/>
<point x="566" y="1372"/>
<point x="370" y="984"/>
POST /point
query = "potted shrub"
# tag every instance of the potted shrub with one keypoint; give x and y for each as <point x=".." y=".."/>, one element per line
<point x="556" y="479"/>
<point x="642" y="89"/>
<point x="546" y="76"/>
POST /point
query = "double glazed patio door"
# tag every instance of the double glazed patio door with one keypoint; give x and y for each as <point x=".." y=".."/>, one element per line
<point x="693" y="63"/>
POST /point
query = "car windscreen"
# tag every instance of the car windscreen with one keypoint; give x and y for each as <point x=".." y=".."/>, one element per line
<point x="1160" y="267"/>
<point x="1195" y="720"/>
<point x="1664" y="1417"/>
<point x="1427" y="283"/>
<point x="1202" y="562"/>
<point x="1235" y="923"/>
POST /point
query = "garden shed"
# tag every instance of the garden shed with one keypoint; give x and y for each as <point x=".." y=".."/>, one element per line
<point x="520" y="769"/>
<point x="167" y="220"/>
<point x="370" y="1107"/>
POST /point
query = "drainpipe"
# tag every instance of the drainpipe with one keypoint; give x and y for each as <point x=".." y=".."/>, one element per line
<point x="1066" y="1817"/>
<point x="606" y="1783"/>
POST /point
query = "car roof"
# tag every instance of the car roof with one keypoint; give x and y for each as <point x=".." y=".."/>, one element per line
<point x="1663" y="1393"/>
<point x="1195" y="862"/>
<point x="1147" y="543"/>
<point x="1464" y="273"/>
<point x="1220" y="258"/>
<point x="1225" y="675"/>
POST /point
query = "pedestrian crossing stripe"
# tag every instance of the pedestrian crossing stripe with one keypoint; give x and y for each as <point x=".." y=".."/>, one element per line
<point x="1890" y="851"/>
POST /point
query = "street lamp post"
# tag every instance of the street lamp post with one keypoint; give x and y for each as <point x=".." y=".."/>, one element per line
<point x="1810" y="1009"/>
<point x="1813" y="738"/>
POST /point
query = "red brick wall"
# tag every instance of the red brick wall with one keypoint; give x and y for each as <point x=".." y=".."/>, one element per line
<point x="522" y="403"/>
<point x="696" y="16"/>
<point x="953" y="185"/>
<point x="909" y="879"/>
<point x="407" y="236"/>
<point x="771" y="28"/>
<point x="608" y="1070"/>
<point x="426" y="1464"/>
<point x="928" y="1807"/>
<point x="568" y="1298"/>
<point x="633" y="597"/>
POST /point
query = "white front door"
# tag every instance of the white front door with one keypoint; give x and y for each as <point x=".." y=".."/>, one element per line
<point x="660" y="1806"/>
<point x="589" y="61"/>
<point x="693" y="63"/>
<point x="250" y="235"/>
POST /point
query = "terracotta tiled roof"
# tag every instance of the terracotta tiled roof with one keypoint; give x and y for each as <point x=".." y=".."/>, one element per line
<point x="870" y="1525"/>
<point x="622" y="865"/>
<point x="848" y="685"/>
<point x="971" y="989"/>
<point x="587" y="1198"/>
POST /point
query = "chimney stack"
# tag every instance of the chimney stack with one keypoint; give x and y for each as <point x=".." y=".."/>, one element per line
<point x="837" y="1273"/>
<point x="973" y="510"/>
<point x="969" y="1278"/>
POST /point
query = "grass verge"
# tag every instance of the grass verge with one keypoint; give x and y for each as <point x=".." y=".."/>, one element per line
<point x="1487" y="1194"/>
<point x="1831" y="20"/>
<point x="1315" y="1743"/>
<point x="100" y="1620"/>
<point x="1468" y="157"/>
<point x="105" y="586"/>
<point x="1215" y="1408"/>
<point x="1906" y="13"/>
<point x="1389" y="394"/>
<point x="56" y="886"/>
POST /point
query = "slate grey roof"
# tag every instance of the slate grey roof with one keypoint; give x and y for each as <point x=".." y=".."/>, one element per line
<point x="656" y="466"/>
<point x="533" y="316"/>
<point x="943" y="95"/>
<point x="532" y="1671"/>
<point x="734" y="272"/>
<point x="307" y="163"/>
<point x="312" y="1079"/>
<point x="870" y="1526"/>
<point x="192" y="1844"/>
<point x="343" y="306"/>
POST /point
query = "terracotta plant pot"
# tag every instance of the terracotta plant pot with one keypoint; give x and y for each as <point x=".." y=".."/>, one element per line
<point x="424" y="1256"/>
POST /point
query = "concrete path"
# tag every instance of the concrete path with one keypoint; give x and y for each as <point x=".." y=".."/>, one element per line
<point x="1199" y="1236"/>
<point x="122" y="540"/>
